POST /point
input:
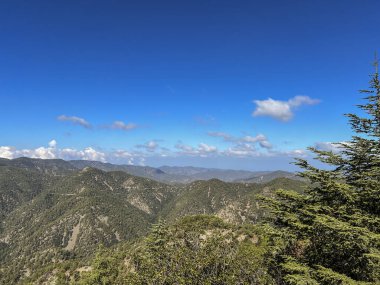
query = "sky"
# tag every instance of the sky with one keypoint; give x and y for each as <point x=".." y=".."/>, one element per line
<point x="213" y="83"/>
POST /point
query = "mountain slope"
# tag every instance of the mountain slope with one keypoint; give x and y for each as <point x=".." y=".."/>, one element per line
<point x="56" y="213"/>
<point x="18" y="186"/>
<point x="265" y="177"/>
<point x="47" y="166"/>
<point x="233" y="202"/>
<point x="81" y="210"/>
<point x="142" y="171"/>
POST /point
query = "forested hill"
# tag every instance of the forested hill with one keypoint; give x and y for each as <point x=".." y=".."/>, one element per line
<point x="53" y="212"/>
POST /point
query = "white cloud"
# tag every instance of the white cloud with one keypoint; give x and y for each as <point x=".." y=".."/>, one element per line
<point x="260" y="139"/>
<point x="52" y="152"/>
<point x="225" y="136"/>
<point x="202" y="149"/>
<point x="265" y="144"/>
<point x="297" y="153"/>
<point x="87" y="153"/>
<point x="251" y="146"/>
<point x="7" y="152"/>
<point x="247" y="147"/>
<point x="41" y="152"/>
<point x="281" y="110"/>
<point x="69" y="154"/>
<point x="119" y="125"/>
<point x="184" y="148"/>
<point x="150" y="146"/>
<point x="53" y="143"/>
<point x="302" y="100"/>
<point x="122" y="154"/>
<point x="242" y="150"/>
<point x="75" y="120"/>
<point x="329" y="146"/>
<point x="205" y="148"/>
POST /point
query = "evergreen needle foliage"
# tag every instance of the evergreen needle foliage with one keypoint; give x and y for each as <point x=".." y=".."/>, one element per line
<point x="331" y="232"/>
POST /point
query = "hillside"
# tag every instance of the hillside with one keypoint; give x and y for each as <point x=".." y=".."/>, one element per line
<point x="233" y="202"/>
<point x="58" y="214"/>
<point x="142" y="171"/>
<point x="268" y="176"/>
<point x="194" y="250"/>
<point x="77" y="212"/>
<point x="18" y="186"/>
<point x="47" y="166"/>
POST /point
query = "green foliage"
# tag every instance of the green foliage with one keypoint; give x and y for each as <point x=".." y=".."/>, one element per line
<point x="196" y="250"/>
<point x="332" y="230"/>
<point x="104" y="270"/>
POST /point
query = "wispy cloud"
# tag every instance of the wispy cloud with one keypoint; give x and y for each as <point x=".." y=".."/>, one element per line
<point x="281" y="110"/>
<point x="201" y="150"/>
<point x="260" y="139"/>
<point x="225" y="136"/>
<point x="75" y="120"/>
<point x="150" y="146"/>
<point x="120" y="125"/>
<point x="330" y="146"/>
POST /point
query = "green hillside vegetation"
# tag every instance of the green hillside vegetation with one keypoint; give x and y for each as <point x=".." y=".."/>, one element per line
<point x="52" y="218"/>
<point x="77" y="212"/>
<point x="234" y="202"/>
<point x="47" y="166"/>
<point x="18" y="186"/>
<point x="194" y="250"/>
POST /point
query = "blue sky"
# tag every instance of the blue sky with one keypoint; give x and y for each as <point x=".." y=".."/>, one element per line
<point x="228" y="84"/>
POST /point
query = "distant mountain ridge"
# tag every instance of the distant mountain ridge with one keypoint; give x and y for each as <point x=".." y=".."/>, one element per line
<point x="200" y="173"/>
<point x="269" y="176"/>
<point x="167" y="174"/>
<point x="47" y="166"/>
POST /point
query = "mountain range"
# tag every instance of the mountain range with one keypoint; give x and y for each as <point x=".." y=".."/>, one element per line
<point x="56" y="210"/>
<point x="167" y="174"/>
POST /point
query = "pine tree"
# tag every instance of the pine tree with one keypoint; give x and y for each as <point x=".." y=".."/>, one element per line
<point x="332" y="230"/>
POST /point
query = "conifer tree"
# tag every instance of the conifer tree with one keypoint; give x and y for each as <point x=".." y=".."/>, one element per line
<point x="332" y="230"/>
